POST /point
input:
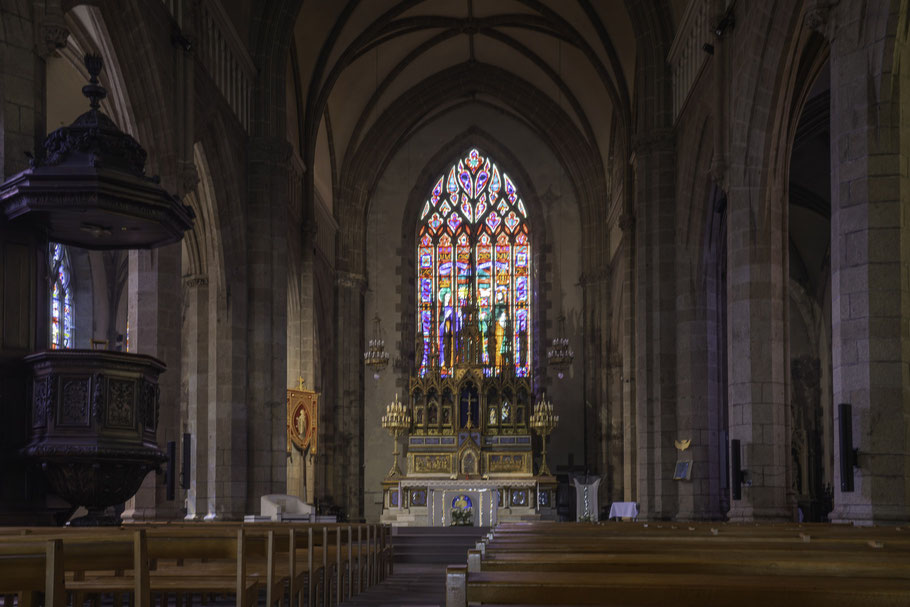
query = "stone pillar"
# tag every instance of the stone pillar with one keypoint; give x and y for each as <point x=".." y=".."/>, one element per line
<point x="655" y="365"/>
<point x="23" y="255"/>
<point x="348" y="412"/>
<point x="267" y="265"/>
<point x="697" y="413"/>
<point x="227" y="447"/>
<point x="628" y="361"/>
<point x="154" y="314"/>
<point x="195" y="390"/>
<point x="757" y="361"/>
<point x="870" y="260"/>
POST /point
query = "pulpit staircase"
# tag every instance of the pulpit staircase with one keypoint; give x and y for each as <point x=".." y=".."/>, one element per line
<point x="442" y="545"/>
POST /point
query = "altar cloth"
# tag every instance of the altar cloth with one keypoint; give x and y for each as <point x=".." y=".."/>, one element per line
<point x="624" y="509"/>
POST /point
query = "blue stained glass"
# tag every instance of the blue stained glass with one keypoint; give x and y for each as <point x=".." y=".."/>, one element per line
<point x="62" y="316"/>
<point x="482" y="178"/>
<point x="452" y="184"/>
<point x="463" y="243"/>
<point x="521" y="288"/>
<point x="454" y="221"/>
<point x="437" y="192"/>
<point x="495" y="183"/>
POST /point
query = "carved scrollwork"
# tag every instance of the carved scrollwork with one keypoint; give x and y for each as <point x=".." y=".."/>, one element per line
<point x="98" y="397"/>
<point x="122" y="402"/>
<point x="44" y="397"/>
<point x="148" y="410"/>
<point x="74" y="404"/>
<point x="95" y="140"/>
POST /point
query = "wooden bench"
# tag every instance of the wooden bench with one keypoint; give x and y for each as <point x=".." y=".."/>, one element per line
<point x="702" y="564"/>
<point x="209" y="559"/>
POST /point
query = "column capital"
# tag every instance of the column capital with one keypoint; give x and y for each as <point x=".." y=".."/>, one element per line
<point x="820" y="16"/>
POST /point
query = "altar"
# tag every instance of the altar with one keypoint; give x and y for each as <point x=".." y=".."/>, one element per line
<point x="470" y="449"/>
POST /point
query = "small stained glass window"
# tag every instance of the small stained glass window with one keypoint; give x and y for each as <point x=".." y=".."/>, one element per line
<point x="62" y="325"/>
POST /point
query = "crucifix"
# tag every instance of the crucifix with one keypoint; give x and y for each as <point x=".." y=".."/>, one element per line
<point x="470" y="424"/>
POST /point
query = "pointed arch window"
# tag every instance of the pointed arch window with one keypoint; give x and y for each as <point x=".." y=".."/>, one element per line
<point x="474" y="242"/>
<point x="62" y="315"/>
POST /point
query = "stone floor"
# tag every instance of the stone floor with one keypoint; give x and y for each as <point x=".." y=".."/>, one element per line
<point x="411" y="584"/>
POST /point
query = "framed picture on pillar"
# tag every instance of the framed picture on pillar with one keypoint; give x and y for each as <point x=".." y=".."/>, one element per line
<point x="683" y="471"/>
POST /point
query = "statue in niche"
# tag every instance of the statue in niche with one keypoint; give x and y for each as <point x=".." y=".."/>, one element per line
<point x="432" y="413"/>
<point x="418" y="416"/>
<point x="446" y="416"/>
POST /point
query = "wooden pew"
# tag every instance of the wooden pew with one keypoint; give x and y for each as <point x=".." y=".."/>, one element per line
<point x="207" y="558"/>
<point x="685" y="564"/>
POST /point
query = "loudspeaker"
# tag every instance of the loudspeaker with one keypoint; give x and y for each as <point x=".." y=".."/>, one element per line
<point x="170" y="480"/>
<point x="847" y="452"/>
<point x="185" y="462"/>
<point x="736" y="473"/>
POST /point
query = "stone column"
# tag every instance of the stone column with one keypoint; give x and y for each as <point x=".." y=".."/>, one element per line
<point x="195" y="391"/>
<point x="757" y="361"/>
<point x="348" y="412"/>
<point x="154" y="314"/>
<point x="870" y="260"/>
<point x="655" y="365"/>
<point x="697" y="413"/>
<point x="628" y="361"/>
<point x="23" y="318"/>
<point x="267" y="239"/>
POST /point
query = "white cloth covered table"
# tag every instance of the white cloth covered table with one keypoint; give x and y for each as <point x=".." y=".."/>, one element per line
<point x="624" y="509"/>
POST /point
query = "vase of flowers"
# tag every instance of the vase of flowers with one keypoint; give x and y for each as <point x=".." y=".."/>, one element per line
<point x="462" y="517"/>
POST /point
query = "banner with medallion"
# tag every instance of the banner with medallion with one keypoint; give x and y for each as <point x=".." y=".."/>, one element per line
<point x="303" y="416"/>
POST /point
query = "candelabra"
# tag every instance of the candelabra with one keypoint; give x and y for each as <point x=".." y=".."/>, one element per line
<point x="560" y="354"/>
<point x="397" y="420"/>
<point x="376" y="357"/>
<point x="544" y="422"/>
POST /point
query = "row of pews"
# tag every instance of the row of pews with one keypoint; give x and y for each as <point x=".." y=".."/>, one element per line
<point x="176" y="563"/>
<point x="678" y="564"/>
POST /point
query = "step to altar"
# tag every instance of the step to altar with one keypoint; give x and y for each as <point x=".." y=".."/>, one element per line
<point x="443" y="545"/>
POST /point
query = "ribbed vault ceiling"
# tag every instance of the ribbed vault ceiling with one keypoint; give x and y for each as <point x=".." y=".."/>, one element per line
<point x="353" y="61"/>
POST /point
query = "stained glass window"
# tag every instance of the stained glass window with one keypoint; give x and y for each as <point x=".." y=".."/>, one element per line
<point x="61" y="300"/>
<point x="474" y="248"/>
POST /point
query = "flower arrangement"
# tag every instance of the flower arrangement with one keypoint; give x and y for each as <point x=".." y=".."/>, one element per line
<point x="462" y="517"/>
